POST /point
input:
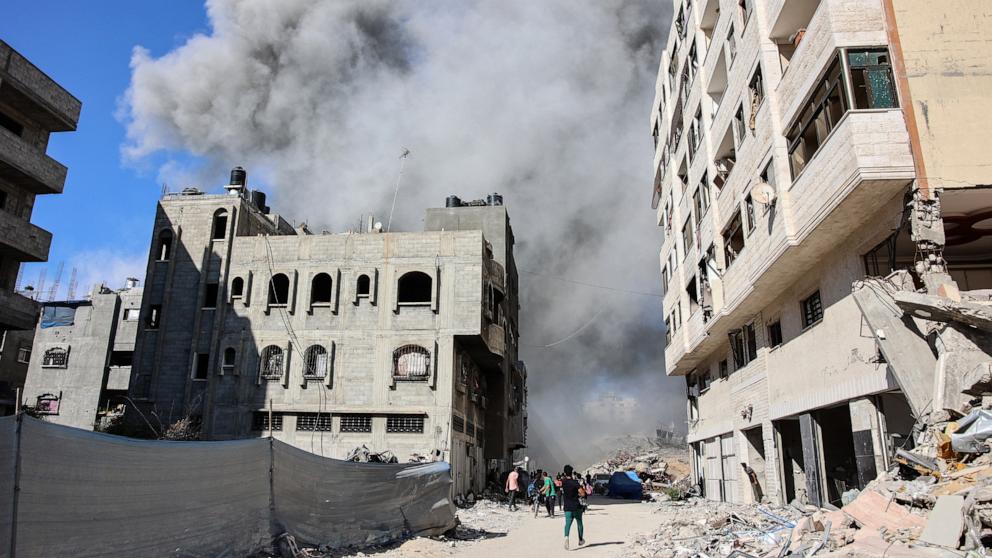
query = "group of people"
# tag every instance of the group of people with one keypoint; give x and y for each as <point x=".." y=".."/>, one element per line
<point x="567" y="491"/>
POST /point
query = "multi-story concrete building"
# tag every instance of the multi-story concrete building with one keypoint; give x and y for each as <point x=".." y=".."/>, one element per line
<point x="795" y="140"/>
<point x="32" y="106"/>
<point x="405" y="342"/>
<point x="82" y="352"/>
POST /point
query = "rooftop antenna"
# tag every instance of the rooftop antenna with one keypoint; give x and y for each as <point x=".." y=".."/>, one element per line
<point x="58" y="279"/>
<point x="71" y="295"/>
<point x="399" y="176"/>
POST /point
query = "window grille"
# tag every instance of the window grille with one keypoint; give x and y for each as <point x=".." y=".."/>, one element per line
<point x="411" y="362"/>
<point x="470" y="429"/>
<point x="48" y="404"/>
<point x="316" y="362"/>
<point x="260" y="421"/>
<point x="313" y="422"/>
<point x="458" y="423"/>
<point x="356" y="423"/>
<point x="271" y="365"/>
<point x="405" y="423"/>
<point x="56" y="357"/>
<point x="812" y="309"/>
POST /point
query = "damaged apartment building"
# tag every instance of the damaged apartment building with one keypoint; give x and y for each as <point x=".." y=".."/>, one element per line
<point x="823" y="182"/>
<point x="32" y="106"/>
<point x="403" y="342"/>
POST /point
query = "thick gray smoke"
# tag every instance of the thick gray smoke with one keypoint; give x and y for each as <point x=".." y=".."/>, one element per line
<point x="545" y="102"/>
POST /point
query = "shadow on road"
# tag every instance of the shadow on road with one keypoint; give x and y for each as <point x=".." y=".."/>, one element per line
<point x="608" y="543"/>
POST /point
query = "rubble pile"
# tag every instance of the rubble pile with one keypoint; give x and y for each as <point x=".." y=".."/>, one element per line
<point x="658" y="466"/>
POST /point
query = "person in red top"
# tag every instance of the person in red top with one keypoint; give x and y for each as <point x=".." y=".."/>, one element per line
<point x="512" y="486"/>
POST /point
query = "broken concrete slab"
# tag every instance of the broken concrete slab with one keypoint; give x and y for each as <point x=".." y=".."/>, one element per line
<point x="945" y="523"/>
<point x="943" y="309"/>
<point x="873" y="511"/>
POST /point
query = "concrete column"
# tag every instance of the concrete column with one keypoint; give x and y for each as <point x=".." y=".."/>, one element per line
<point x="811" y="458"/>
<point x="867" y="436"/>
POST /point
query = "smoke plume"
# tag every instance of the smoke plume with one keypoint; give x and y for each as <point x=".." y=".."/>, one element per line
<point x="544" y="102"/>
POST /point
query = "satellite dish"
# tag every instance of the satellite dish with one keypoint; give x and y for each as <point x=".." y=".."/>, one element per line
<point x="763" y="193"/>
<point x="377" y="227"/>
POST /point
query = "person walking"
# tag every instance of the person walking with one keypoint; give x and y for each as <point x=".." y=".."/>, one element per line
<point x="512" y="486"/>
<point x="573" y="493"/>
<point x="558" y="480"/>
<point x="549" y="493"/>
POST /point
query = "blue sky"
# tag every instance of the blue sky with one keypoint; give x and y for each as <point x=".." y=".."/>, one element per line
<point x="102" y="222"/>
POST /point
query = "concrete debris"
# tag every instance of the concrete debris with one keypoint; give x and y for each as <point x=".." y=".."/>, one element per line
<point x="661" y="468"/>
<point x="941" y="309"/>
<point x="945" y="523"/>
<point x="972" y="432"/>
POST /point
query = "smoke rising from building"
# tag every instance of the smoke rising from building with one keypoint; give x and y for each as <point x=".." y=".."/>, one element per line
<point x="545" y="102"/>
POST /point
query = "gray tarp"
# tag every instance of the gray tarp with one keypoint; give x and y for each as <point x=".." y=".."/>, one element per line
<point x="972" y="432"/>
<point x="89" y="494"/>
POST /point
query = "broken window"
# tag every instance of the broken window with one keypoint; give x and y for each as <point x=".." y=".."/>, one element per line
<point x="237" y="287"/>
<point x="201" y="366"/>
<point x="220" y="225"/>
<point x="321" y="289"/>
<point x="726" y="158"/>
<point x="731" y="46"/>
<point x="210" y="296"/>
<point x="693" y="64"/>
<point x="411" y="362"/>
<point x="680" y="22"/>
<point x="672" y="69"/>
<point x="775" y="334"/>
<point x="356" y="423"/>
<point x="316" y="362"/>
<point x="130" y="314"/>
<point x="458" y="423"/>
<point x="812" y="309"/>
<point x="733" y="240"/>
<point x="230" y="358"/>
<point x="823" y="111"/>
<point x="687" y="236"/>
<point x="693" y="293"/>
<point x="313" y="422"/>
<point x="739" y="125"/>
<point x="749" y="213"/>
<point x="24" y="355"/>
<point x="743" y="345"/>
<point x="695" y="133"/>
<point x="56" y="357"/>
<point x="260" y="421"/>
<point x="121" y="358"/>
<point x="48" y="404"/>
<point x="271" y="363"/>
<point x="415" y="287"/>
<point x="279" y="290"/>
<point x="757" y="91"/>
<point x="768" y="173"/>
<point x="684" y="86"/>
<point x="871" y="79"/>
<point x="405" y="423"/>
<point x="154" y="316"/>
<point x="164" y="251"/>
<point x="881" y="260"/>
<point x="13" y="126"/>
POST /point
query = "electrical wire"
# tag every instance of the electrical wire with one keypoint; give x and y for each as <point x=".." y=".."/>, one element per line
<point x="570" y="335"/>
<point x="593" y="285"/>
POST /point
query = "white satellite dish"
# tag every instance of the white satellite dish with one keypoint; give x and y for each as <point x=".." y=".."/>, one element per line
<point x="763" y="193"/>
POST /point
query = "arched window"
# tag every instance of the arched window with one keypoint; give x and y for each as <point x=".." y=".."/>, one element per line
<point x="220" y="225"/>
<point x="411" y="362"/>
<point x="415" y="288"/>
<point x="364" y="286"/>
<point x="316" y="362"/>
<point x="230" y="356"/>
<point x="164" y="251"/>
<point x="321" y="289"/>
<point x="271" y="363"/>
<point x="279" y="290"/>
<point x="237" y="287"/>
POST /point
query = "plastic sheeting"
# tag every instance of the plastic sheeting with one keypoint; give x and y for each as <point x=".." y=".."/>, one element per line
<point x="89" y="494"/>
<point x="58" y="315"/>
<point x="972" y="432"/>
<point x="623" y="486"/>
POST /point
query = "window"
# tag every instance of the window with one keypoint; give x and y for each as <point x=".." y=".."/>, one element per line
<point x="24" y="355"/>
<point x="693" y="64"/>
<point x="11" y="125"/>
<point x="279" y="290"/>
<point x="3" y="199"/>
<point x="458" y="423"/>
<point x="164" y="251"/>
<point x="313" y="422"/>
<point x="321" y="289"/>
<point x="411" y="362"/>
<point x="731" y="46"/>
<point x="812" y="309"/>
<point x="260" y="421"/>
<point x="749" y="213"/>
<point x="220" y="225"/>
<point x="201" y="366"/>
<point x="775" y="334"/>
<point x="415" y="287"/>
<point x="237" y="287"/>
<point x="743" y="345"/>
<point x="316" y="362"/>
<point x="56" y="357"/>
<point x="757" y="92"/>
<point x="48" y="404"/>
<point x="230" y="357"/>
<point x="723" y="369"/>
<point x="823" y="111"/>
<point x="271" y="363"/>
<point x="733" y="240"/>
<point x="739" y="125"/>
<point x="121" y="358"/>
<point x="871" y="79"/>
<point x="210" y="296"/>
<point x="668" y="331"/>
<point x="881" y="260"/>
<point x="680" y="22"/>
<point x="672" y="69"/>
<point x="695" y="132"/>
<point x="666" y="276"/>
<point x="154" y="316"/>
<point x="684" y="87"/>
<point x="701" y="198"/>
<point x="768" y="173"/>
<point x="405" y="423"/>
<point x="364" y="288"/>
<point x="687" y="236"/>
<point x="356" y="423"/>
<point x="130" y="314"/>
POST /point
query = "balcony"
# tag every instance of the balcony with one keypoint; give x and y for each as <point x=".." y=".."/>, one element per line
<point x="16" y="311"/>
<point x="496" y="274"/>
<point x="495" y="338"/>
<point x="23" y="165"/>
<point x="34" y="94"/>
<point x="864" y="162"/>
<point x="22" y="241"/>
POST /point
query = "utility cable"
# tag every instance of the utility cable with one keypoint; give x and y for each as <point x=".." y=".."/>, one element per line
<point x="570" y="335"/>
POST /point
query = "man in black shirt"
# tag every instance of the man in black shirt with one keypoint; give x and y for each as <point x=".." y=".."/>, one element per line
<point x="572" y="491"/>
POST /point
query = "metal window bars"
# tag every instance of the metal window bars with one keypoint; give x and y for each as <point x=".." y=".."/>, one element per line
<point x="315" y="362"/>
<point x="313" y="422"/>
<point x="411" y="362"/>
<point x="356" y="423"/>
<point x="271" y="363"/>
<point x="405" y="423"/>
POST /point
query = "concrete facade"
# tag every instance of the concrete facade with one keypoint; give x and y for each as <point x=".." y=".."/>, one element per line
<point x="786" y="147"/>
<point x="81" y="358"/>
<point x="403" y="342"/>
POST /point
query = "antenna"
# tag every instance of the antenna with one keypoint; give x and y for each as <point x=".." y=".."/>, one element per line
<point x="399" y="176"/>
<point x="58" y="279"/>
<point x="71" y="295"/>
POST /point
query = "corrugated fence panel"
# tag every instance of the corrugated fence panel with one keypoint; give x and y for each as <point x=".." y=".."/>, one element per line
<point x="8" y="458"/>
<point x="325" y="501"/>
<point x="89" y="494"/>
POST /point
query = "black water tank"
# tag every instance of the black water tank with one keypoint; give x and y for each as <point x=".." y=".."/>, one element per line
<point x="494" y="199"/>
<point x="239" y="177"/>
<point x="258" y="199"/>
<point x="453" y="201"/>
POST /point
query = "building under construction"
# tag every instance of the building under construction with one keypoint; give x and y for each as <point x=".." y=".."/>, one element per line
<point x="403" y="342"/>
